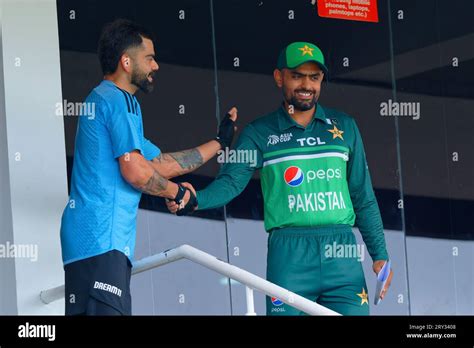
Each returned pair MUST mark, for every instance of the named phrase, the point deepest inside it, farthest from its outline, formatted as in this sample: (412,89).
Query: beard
(140,79)
(301,105)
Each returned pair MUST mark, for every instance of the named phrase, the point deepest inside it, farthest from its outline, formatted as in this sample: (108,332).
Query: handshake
(185,201)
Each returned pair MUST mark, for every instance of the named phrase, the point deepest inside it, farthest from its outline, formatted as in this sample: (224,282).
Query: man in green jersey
(316,185)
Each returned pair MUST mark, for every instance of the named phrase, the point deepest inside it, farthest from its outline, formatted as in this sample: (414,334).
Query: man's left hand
(227,128)
(377,266)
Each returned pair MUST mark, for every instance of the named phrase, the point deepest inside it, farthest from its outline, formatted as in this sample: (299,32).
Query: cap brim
(321,66)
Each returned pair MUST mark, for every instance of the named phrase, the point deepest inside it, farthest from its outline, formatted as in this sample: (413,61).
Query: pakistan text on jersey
(316,201)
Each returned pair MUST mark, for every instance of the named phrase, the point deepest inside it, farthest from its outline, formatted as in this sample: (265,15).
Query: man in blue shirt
(113,164)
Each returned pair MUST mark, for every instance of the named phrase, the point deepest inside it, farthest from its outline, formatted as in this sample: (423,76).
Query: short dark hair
(115,39)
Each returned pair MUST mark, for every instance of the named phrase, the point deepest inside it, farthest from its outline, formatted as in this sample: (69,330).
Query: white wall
(33,175)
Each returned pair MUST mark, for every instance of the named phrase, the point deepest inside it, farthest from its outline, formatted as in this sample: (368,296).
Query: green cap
(298,53)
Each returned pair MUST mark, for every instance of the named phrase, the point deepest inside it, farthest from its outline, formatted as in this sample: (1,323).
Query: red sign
(353,10)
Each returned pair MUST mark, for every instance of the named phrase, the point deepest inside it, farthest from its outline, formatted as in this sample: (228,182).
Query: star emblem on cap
(336,133)
(364,296)
(306,50)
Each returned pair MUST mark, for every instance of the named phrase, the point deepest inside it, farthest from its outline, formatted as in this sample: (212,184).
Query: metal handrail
(249,279)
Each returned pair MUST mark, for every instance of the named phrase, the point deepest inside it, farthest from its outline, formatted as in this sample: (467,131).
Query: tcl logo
(310,141)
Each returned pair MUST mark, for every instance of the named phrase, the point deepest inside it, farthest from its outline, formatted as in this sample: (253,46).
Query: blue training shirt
(102,209)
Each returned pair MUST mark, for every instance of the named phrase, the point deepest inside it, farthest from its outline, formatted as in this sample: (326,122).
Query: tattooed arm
(173,164)
(138,172)
(178,163)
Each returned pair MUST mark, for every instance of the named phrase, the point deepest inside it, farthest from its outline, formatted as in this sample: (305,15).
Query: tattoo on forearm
(155,185)
(188,160)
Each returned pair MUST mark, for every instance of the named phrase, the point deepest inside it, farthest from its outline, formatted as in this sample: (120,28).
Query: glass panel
(434,62)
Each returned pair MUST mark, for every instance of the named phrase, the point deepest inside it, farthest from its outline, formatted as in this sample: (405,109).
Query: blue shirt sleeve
(150,150)
(124,129)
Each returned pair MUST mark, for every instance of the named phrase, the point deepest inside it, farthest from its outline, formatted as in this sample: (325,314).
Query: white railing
(251,281)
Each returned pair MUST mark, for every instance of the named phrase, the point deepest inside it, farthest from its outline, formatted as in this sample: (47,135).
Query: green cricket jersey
(313,176)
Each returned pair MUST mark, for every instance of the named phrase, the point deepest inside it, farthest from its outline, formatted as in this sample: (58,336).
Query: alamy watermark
(405,109)
(28,330)
(27,251)
(343,251)
(237,156)
(67,108)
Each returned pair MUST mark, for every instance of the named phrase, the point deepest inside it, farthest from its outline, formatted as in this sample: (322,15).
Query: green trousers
(322,264)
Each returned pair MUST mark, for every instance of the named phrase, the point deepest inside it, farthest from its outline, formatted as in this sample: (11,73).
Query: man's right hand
(227,128)
(174,207)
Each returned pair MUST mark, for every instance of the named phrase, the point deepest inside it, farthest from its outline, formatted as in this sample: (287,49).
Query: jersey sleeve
(368,218)
(124,128)
(150,150)
(233,177)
